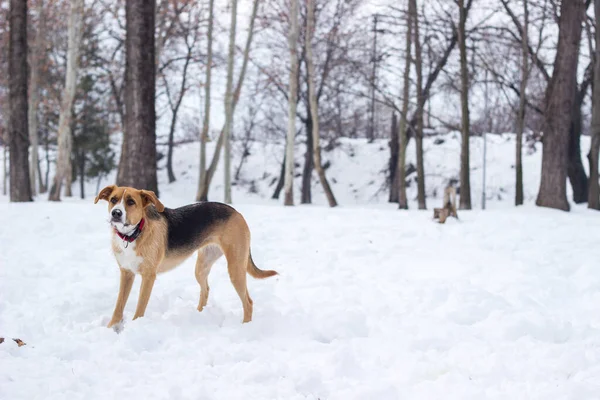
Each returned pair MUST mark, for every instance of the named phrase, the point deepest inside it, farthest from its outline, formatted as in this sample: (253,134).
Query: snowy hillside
(357,172)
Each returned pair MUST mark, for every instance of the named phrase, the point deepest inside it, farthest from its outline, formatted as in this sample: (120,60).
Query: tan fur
(230,238)
(449,206)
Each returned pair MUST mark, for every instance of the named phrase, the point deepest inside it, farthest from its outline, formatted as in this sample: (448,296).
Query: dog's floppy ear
(104,193)
(148,197)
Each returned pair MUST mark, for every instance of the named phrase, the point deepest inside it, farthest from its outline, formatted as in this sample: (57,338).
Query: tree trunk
(465,176)
(63,162)
(594,187)
(82,175)
(314,132)
(522,105)
(69,176)
(371,130)
(170,173)
(575,170)
(137,167)
(229,103)
(560,96)
(279,186)
(420,105)
(200,195)
(402,133)
(394,147)
(5,169)
(18,139)
(306,197)
(215,160)
(47,150)
(32,108)
(292,103)
(42,187)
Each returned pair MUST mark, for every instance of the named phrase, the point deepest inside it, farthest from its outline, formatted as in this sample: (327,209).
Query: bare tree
(293,93)
(137,167)
(63,161)
(560,96)
(229,102)
(32,108)
(20,188)
(420,105)
(210,172)
(594,189)
(190,37)
(522,103)
(402,133)
(575,170)
(310,26)
(5,172)
(207,86)
(465,180)
(393,163)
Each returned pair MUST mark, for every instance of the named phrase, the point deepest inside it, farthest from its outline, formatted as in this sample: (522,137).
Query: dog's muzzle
(116,215)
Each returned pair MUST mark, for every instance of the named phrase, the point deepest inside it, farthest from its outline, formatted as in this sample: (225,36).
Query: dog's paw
(117,326)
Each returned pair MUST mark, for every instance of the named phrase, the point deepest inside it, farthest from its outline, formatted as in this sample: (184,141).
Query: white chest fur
(126,255)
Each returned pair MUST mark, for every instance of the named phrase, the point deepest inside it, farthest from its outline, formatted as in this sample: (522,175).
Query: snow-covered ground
(371,302)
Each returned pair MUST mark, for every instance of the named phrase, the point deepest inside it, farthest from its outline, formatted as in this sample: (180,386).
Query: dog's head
(127,206)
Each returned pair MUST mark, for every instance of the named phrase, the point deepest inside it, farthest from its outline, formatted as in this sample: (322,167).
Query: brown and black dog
(148,238)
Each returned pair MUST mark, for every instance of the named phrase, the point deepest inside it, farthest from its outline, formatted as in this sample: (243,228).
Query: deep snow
(370,304)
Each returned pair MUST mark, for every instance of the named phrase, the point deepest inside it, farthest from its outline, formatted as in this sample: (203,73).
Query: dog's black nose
(117,213)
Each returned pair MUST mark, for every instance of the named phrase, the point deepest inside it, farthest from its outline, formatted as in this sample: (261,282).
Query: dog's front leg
(127,278)
(145,290)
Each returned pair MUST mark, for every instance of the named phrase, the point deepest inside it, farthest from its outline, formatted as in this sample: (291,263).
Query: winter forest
(441,158)
(80,103)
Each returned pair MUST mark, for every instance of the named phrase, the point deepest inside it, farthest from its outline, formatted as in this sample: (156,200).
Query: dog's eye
(113,200)
(130,202)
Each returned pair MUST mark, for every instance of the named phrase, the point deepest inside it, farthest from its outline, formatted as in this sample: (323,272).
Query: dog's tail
(256,272)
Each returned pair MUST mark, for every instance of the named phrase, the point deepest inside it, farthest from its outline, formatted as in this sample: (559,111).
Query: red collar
(134,235)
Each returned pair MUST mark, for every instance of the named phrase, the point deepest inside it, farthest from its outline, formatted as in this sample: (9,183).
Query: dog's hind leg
(237,260)
(207,256)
